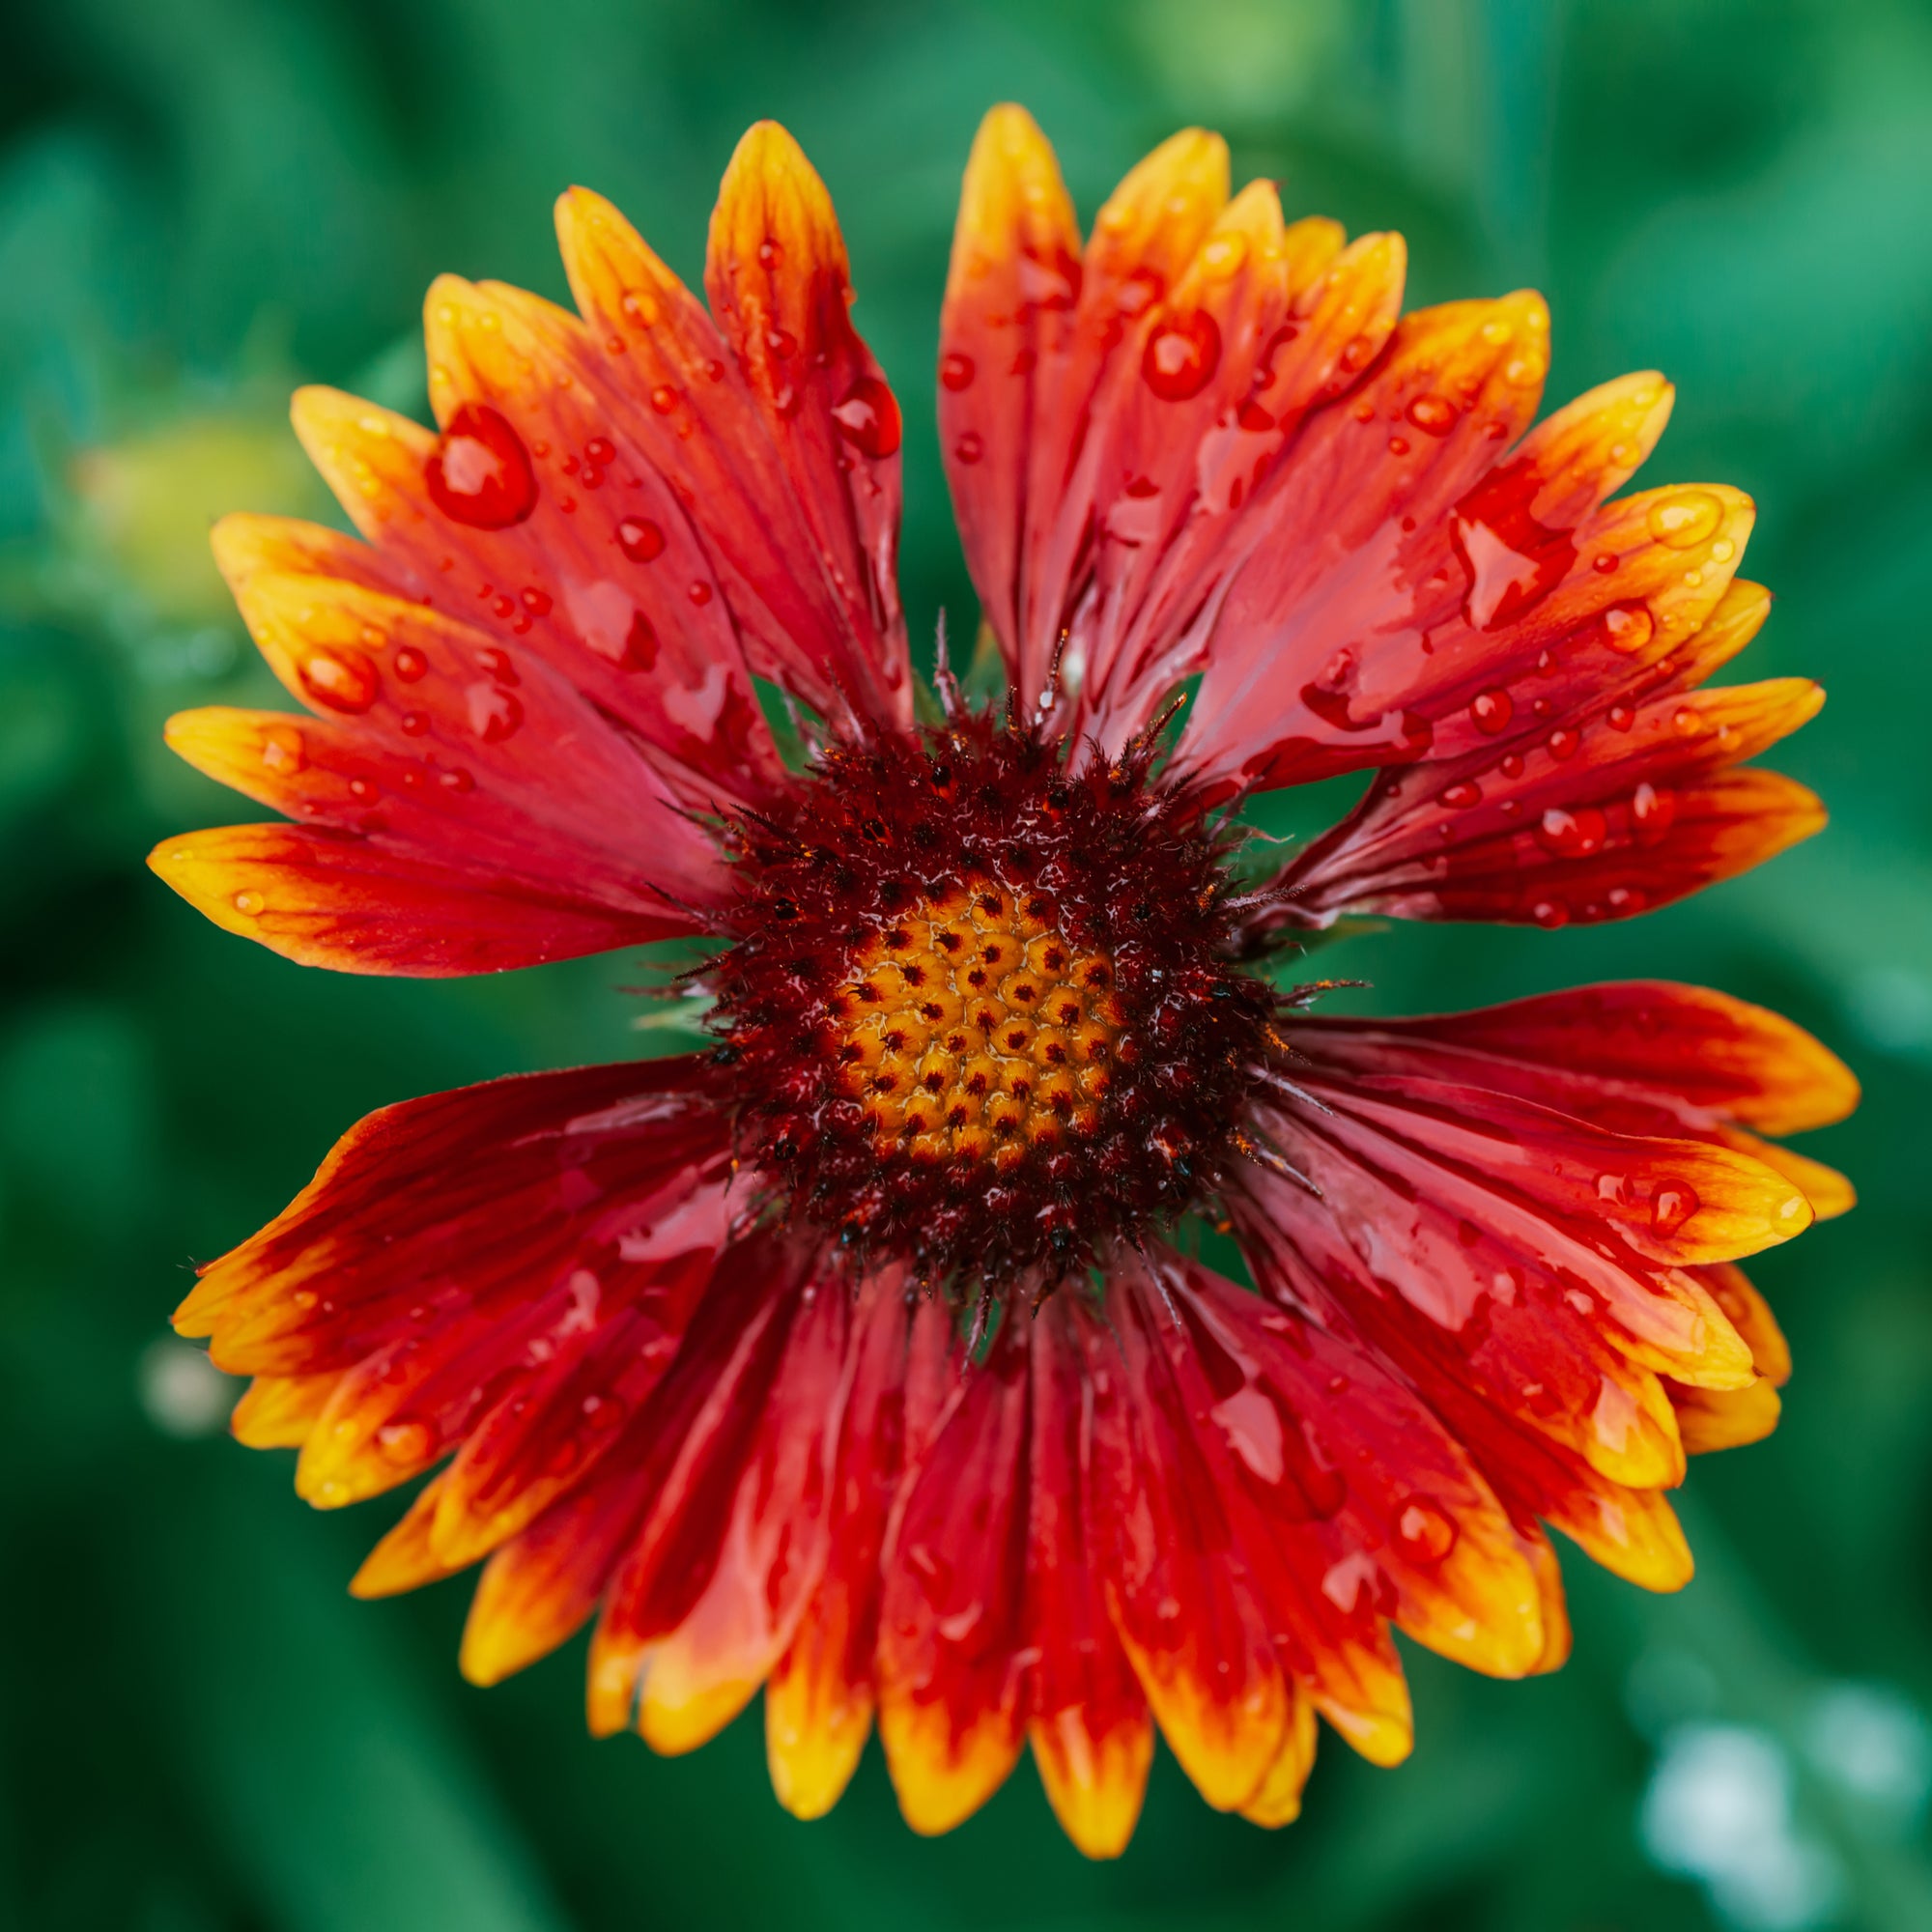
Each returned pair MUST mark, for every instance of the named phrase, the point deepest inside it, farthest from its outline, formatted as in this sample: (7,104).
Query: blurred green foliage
(204,201)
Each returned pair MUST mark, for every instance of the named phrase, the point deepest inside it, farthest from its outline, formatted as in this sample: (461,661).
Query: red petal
(705,434)
(818,1701)
(685,1455)
(1496,1416)
(1356,542)
(951,1679)
(1606,817)
(775,1542)
(1496,600)
(1181,1596)
(427,1207)
(1363,1496)
(595,582)
(1185,502)
(332,898)
(1650,1041)
(780,287)
(1038,344)
(1087,1720)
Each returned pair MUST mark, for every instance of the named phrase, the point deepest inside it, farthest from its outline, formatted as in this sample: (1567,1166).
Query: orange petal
(1179,1593)
(950,1683)
(404,1559)
(1089,1725)
(1278,1802)
(776,1545)
(780,288)
(818,1700)
(1751,1314)
(279,1412)
(1725,1418)
(330,898)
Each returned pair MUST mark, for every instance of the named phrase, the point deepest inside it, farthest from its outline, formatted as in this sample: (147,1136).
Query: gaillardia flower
(869,1355)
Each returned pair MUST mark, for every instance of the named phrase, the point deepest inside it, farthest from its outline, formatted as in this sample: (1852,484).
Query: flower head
(870,1357)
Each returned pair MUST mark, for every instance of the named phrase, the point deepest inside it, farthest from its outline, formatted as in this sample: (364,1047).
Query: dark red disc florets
(982,1012)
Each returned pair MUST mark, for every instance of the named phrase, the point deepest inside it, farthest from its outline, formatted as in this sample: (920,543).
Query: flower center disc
(972,1031)
(984,1012)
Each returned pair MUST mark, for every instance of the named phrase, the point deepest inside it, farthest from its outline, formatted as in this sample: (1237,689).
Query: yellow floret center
(970,1030)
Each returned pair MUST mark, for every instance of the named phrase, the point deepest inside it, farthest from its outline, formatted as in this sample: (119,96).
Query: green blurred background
(203,202)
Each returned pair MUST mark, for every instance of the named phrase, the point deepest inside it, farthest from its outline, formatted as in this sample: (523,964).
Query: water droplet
(456,779)
(1425,1533)
(1604,563)
(1653,810)
(1672,1205)
(1358,353)
(1627,627)
(1549,914)
(414,724)
(664,399)
(1181,356)
(868,418)
(770,253)
(1223,256)
(699,594)
(1573,835)
(970,447)
(1563,742)
(1398,445)
(1432,414)
(283,750)
(1620,717)
(781,342)
(537,602)
(1253,417)
(639,539)
(1460,796)
(1491,711)
(479,473)
(1689,720)
(1684,519)
(600,450)
(249,904)
(409,663)
(343,680)
(405,1443)
(493,712)
(955,370)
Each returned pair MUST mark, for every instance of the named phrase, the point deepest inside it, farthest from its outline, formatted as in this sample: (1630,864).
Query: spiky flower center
(984,1012)
(974,1031)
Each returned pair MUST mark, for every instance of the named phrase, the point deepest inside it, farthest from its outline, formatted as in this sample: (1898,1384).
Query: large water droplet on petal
(283,750)
(1425,1533)
(868,418)
(479,473)
(1684,519)
(343,680)
(1491,711)
(1627,627)
(1653,810)
(1181,356)
(1573,835)
(639,539)
(1672,1205)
